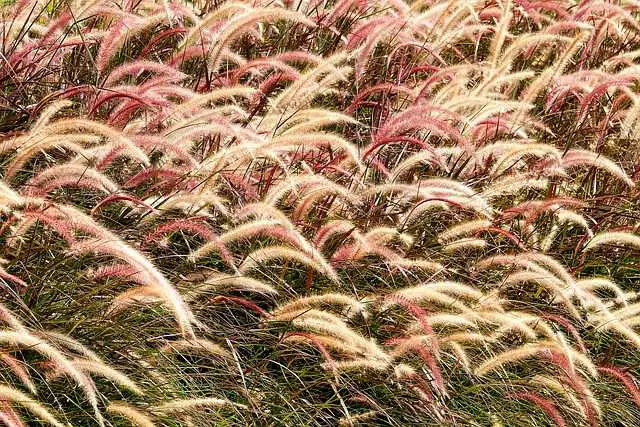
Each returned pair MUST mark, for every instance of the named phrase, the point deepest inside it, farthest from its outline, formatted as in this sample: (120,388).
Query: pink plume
(122,271)
(317,343)
(117,198)
(243,302)
(626,379)
(419,313)
(545,404)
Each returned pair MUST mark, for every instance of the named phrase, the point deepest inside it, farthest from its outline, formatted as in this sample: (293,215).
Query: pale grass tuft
(464,244)
(509,356)
(460,354)
(329,324)
(282,252)
(417,264)
(610,237)
(182,405)
(317,80)
(541,348)
(145,295)
(602,283)
(511,185)
(73,126)
(241,25)
(109,244)
(72,344)
(19,371)
(359,365)
(327,341)
(269,227)
(46,115)
(447,319)
(557,287)
(507,321)
(33,406)
(219,281)
(24,339)
(353,306)
(438,292)
(559,388)
(577,157)
(501,32)
(107,372)
(133,415)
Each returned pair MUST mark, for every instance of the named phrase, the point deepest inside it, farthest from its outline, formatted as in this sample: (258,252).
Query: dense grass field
(320,212)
